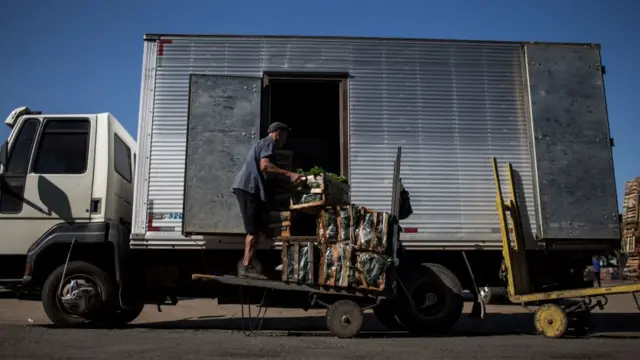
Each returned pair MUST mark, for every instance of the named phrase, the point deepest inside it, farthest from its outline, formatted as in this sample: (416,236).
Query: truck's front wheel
(81,296)
(432,301)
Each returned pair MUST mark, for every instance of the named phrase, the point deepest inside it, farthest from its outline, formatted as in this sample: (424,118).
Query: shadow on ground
(606,325)
(6,294)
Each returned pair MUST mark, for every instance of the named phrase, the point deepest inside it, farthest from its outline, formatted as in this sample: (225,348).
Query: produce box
(327,225)
(278,230)
(365,228)
(300,261)
(278,224)
(290,223)
(372,231)
(336,266)
(337,223)
(320,190)
(371,271)
(276,217)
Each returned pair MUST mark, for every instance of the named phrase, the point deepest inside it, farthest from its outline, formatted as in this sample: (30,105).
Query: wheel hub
(430,299)
(345,320)
(78,297)
(551,320)
(484,294)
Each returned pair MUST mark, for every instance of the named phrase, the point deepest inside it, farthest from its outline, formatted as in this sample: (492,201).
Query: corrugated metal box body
(450,105)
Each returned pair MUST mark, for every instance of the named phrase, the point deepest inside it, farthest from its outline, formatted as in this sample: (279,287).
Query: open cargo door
(223,124)
(576,187)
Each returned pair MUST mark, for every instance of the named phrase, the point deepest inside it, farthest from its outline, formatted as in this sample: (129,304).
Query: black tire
(336,319)
(446,310)
(55,310)
(385,314)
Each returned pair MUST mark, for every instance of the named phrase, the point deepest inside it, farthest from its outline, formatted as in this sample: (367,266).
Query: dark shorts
(253,211)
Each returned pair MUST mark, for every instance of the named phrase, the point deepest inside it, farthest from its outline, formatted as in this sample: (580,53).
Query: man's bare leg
(248,269)
(250,243)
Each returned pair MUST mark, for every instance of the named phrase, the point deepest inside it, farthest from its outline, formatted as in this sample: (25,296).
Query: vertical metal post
(395,204)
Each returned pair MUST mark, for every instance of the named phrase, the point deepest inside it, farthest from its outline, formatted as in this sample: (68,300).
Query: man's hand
(296,178)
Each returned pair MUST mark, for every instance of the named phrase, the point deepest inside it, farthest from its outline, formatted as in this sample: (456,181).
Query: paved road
(183,332)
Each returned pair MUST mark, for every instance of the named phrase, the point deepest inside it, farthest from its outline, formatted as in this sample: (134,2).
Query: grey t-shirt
(250,178)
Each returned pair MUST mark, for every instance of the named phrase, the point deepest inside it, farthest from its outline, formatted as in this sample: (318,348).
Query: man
(596,271)
(250,189)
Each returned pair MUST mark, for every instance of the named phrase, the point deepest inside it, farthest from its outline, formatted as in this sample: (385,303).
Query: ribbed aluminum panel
(141,180)
(450,105)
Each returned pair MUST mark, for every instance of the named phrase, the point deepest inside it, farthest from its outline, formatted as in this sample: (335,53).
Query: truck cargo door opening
(223,124)
(312,108)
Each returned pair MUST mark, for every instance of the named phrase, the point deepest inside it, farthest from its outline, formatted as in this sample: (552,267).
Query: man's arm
(266,166)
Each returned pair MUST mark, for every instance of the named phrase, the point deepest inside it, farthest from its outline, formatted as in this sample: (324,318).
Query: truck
(97,225)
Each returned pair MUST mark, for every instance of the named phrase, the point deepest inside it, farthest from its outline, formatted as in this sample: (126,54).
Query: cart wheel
(551,321)
(344,319)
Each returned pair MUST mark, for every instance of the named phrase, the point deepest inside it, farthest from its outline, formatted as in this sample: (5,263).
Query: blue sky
(74,56)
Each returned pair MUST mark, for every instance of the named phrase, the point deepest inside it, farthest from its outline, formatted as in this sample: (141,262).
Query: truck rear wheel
(86,292)
(432,302)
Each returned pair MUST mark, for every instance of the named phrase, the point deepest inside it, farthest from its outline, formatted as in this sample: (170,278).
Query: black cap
(277,126)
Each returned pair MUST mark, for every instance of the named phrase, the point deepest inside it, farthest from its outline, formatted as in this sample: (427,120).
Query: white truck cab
(64,179)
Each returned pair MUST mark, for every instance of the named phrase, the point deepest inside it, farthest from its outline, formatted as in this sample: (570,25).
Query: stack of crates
(630,228)
(352,244)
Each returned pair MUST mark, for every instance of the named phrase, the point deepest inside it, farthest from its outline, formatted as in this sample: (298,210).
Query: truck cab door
(47,180)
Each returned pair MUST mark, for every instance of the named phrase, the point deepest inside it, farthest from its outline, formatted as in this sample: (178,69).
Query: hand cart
(345,306)
(552,319)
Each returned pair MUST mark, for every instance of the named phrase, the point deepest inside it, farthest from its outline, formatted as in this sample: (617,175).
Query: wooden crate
(320,190)
(276,217)
(367,229)
(632,267)
(373,231)
(278,230)
(300,261)
(336,265)
(327,225)
(371,270)
(629,243)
